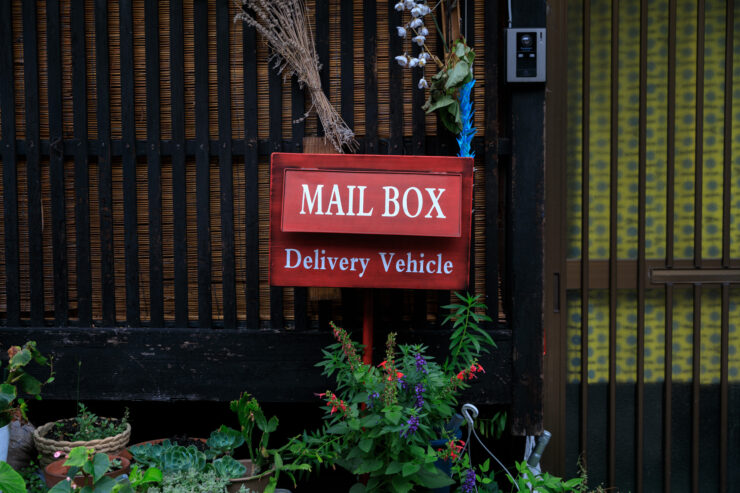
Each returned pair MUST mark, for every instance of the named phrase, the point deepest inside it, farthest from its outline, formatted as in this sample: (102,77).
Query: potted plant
(17,381)
(10,480)
(86,429)
(381,420)
(93,471)
(182,465)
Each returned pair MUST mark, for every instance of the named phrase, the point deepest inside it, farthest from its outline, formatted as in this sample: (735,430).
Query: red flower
(461,375)
(382,364)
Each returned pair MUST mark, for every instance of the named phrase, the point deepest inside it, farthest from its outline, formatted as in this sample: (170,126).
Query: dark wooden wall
(135,139)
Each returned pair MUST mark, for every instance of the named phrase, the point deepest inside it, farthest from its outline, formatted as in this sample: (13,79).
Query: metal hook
(467,410)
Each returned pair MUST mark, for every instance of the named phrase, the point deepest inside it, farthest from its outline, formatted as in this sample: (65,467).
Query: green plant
(93,466)
(228,467)
(252,418)
(192,482)
(87,425)
(224,441)
(10,480)
(32,478)
(16,381)
(527,480)
(446,84)
(178,459)
(382,419)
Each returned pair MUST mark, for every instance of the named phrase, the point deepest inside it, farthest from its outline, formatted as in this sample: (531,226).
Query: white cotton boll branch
(416,12)
(423,84)
(399,6)
(409,4)
(421,62)
(403,60)
(416,23)
(401,31)
(413,62)
(424,31)
(419,40)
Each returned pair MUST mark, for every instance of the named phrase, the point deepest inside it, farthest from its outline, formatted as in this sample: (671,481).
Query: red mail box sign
(362,202)
(370,221)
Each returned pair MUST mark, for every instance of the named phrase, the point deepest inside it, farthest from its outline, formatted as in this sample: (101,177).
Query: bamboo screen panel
(136,139)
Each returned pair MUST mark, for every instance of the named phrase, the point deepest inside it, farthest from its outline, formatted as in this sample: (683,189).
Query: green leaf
(29,384)
(460,49)
(7,394)
(357,488)
(434,478)
(410,468)
(21,358)
(104,485)
(10,480)
(439,103)
(393,468)
(100,465)
(393,416)
(370,421)
(401,485)
(366,444)
(369,465)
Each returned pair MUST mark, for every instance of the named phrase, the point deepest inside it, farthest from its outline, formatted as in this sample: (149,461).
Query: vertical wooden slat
(250,174)
(276,145)
(223,23)
(298,100)
(10,179)
(698,228)
(670,204)
(369,15)
(726,253)
(81,174)
(491,176)
(56,162)
(33,166)
(128,134)
(613,214)
(154,172)
(468,12)
(641,267)
(105,181)
(202,163)
(179,191)
(585,162)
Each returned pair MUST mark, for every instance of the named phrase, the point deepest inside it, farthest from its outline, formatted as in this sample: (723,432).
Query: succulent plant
(178,458)
(228,467)
(225,440)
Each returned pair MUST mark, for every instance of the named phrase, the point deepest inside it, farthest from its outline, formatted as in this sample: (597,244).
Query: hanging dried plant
(284,25)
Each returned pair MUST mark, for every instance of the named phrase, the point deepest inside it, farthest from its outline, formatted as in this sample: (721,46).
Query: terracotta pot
(57,471)
(255,484)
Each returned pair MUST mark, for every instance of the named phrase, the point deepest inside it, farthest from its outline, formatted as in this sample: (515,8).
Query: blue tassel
(465,137)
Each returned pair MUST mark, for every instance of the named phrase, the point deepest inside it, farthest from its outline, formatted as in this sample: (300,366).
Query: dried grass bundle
(284,25)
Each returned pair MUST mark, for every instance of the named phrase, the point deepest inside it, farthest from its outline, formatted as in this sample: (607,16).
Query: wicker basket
(47,447)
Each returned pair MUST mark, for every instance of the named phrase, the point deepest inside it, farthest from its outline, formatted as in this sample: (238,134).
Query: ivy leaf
(458,74)
(439,103)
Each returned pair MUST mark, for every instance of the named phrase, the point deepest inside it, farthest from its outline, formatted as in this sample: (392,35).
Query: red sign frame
(376,257)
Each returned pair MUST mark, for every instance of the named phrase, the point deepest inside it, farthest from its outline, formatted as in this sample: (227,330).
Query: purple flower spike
(419,389)
(469,485)
(413,425)
(421,363)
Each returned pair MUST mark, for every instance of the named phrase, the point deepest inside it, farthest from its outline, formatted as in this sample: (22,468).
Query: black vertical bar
(698,205)
(179,191)
(154,165)
(370,28)
(276,138)
(322,49)
(347,110)
(726,254)
(105,184)
(641,261)
(10,179)
(525,234)
(56,162)
(298,108)
(223,23)
(347,65)
(251,174)
(418,148)
(491,176)
(613,212)
(395,47)
(128,134)
(33,167)
(670,201)
(202,163)
(695,390)
(585,162)
(81,178)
